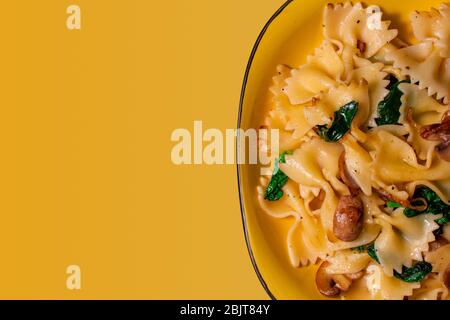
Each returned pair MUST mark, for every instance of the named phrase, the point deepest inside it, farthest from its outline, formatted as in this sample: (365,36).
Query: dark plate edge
(241,103)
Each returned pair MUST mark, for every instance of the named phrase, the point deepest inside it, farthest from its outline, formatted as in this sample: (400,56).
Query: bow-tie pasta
(363,174)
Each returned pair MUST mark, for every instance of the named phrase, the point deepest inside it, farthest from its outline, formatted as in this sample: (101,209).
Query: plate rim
(238,166)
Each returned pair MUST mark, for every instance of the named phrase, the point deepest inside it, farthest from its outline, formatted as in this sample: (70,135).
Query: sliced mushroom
(325,282)
(419,204)
(362,46)
(342,281)
(348,218)
(331,285)
(439,132)
(317,202)
(446,277)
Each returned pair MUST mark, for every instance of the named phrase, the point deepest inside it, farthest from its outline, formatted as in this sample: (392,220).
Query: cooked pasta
(364,173)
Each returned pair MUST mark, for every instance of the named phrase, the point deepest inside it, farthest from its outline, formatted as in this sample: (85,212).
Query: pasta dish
(363,171)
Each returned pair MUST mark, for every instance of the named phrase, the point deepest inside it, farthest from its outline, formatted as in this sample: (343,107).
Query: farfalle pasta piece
(315,164)
(424,65)
(403,239)
(331,101)
(375,76)
(278,82)
(309,239)
(347,262)
(384,287)
(431,289)
(427,62)
(349,24)
(433,24)
(365,84)
(395,161)
(425,149)
(282,112)
(358,164)
(426,110)
(288,207)
(418,109)
(440,260)
(319,74)
(292,121)
(277,120)
(305,241)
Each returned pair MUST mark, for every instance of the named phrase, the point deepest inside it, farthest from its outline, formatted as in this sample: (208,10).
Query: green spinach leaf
(434,204)
(360,249)
(393,204)
(372,252)
(341,124)
(278,180)
(441,222)
(416,273)
(389,107)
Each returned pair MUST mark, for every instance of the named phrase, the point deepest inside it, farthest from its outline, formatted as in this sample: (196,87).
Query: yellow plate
(292,33)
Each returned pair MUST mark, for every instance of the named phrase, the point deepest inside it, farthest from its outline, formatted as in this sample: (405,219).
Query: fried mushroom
(348,218)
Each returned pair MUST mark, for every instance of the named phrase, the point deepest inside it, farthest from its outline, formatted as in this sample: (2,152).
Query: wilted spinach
(434,204)
(278,180)
(372,252)
(389,107)
(416,273)
(360,249)
(341,124)
(393,204)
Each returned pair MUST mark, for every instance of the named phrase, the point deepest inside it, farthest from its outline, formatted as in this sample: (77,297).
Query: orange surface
(86,176)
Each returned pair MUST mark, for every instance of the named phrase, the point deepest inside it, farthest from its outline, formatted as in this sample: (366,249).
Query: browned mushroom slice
(317,202)
(331,285)
(437,132)
(325,283)
(348,218)
(362,46)
(418,204)
(342,281)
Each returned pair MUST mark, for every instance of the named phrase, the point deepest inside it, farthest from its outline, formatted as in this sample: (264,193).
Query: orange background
(86,176)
